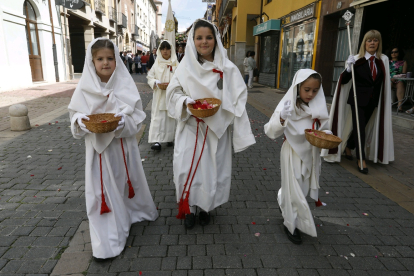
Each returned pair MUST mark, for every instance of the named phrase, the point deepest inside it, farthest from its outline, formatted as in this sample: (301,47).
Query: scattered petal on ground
(50,150)
(59,168)
(327,193)
(29,156)
(257,234)
(142,160)
(32,175)
(365,214)
(352,254)
(253,223)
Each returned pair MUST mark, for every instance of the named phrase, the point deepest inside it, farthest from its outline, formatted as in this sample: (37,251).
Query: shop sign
(299,15)
(270,25)
(71,4)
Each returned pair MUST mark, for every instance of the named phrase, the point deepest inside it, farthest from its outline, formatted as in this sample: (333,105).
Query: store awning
(363,3)
(270,25)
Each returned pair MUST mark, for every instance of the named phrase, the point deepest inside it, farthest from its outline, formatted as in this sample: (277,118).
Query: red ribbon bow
(170,66)
(220,72)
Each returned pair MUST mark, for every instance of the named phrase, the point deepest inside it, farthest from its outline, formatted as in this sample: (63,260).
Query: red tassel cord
(183,205)
(131,192)
(104,207)
(218,71)
(316,121)
(170,66)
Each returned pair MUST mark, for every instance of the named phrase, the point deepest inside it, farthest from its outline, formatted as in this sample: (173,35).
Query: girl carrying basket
(202,153)
(302,107)
(116,190)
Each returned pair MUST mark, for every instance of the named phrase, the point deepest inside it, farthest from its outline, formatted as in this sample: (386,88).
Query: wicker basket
(102,123)
(321,139)
(163,86)
(204,113)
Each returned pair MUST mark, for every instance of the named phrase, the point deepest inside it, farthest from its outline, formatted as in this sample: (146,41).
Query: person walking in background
(144,61)
(116,190)
(373,93)
(152,59)
(130,62)
(251,65)
(246,68)
(206,72)
(302,107)
(137,61)
(162,128)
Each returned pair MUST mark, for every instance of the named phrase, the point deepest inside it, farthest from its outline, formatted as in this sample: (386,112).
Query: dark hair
(299,101)
(401,53)
(102,43)
(248,54)
(252,53)
(202,23)
(164,45)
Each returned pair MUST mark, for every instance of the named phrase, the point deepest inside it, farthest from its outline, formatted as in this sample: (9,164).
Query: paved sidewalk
(360,231)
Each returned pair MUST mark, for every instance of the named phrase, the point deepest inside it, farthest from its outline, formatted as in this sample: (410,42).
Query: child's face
(204,42)
(104,61)
(166,54)
(309,89)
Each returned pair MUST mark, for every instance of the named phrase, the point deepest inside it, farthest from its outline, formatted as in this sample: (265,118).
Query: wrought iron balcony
(122,20)
(112,13)
(100,6)
(226,6)
(134,29)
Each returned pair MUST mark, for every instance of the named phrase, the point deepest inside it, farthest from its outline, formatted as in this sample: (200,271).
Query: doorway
(32,37)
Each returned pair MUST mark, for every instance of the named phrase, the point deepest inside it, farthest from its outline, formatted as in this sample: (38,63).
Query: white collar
(368,55)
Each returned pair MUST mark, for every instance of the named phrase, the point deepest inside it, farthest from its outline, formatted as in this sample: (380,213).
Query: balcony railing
(225,8)
(134,29)
(112,13)
(100,6)
(122,20)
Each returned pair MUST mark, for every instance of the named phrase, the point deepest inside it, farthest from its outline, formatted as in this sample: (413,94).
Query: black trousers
(364,114)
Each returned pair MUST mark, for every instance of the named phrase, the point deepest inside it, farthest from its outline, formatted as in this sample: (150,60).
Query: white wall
(15,69)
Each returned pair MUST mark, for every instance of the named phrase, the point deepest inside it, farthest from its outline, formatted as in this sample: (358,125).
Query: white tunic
(162,128)
(104,156)
(299,161)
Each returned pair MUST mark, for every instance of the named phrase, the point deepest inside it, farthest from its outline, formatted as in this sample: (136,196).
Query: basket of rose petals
(206,107)
(163,86)
(322,140)
(102,123)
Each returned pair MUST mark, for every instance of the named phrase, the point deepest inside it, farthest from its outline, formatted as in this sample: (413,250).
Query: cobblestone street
(360,232)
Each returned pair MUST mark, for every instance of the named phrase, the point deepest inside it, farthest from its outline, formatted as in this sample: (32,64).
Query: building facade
(146,21)
(26,44)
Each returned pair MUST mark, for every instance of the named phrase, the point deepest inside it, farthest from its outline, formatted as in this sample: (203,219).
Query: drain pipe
(54,45)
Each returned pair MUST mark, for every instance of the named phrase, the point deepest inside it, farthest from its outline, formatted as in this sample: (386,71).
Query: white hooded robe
(162,128)
(299,161)
(212,181)
(110,231)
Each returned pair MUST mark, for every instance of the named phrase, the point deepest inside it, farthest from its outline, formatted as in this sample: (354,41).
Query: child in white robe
(302,107)
(162,128)
(116,190)
(202,154)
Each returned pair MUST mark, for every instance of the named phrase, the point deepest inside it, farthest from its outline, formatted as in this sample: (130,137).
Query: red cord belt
(131,193)
(183,206)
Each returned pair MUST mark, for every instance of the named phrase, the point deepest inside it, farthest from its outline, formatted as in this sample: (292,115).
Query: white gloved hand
(349,62)
(189,101)
(156,83)
(81,124)
(327,131)
(121,123)
(286,111)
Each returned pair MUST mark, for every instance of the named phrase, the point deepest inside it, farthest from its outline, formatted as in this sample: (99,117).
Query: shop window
(269,53)
(297,51)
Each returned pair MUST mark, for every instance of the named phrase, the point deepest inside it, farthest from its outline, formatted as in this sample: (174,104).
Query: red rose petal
(36,125)
(58,127)
(264,169)
(59,168)
(49,124)
(347,224)
(56,122)
(32,175)
(253,223)
(140,273)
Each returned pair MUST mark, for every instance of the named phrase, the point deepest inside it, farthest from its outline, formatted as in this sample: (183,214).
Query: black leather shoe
(189,221)
(156,146)
(364,170)
(295,238)
(204,218)
(170,144)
